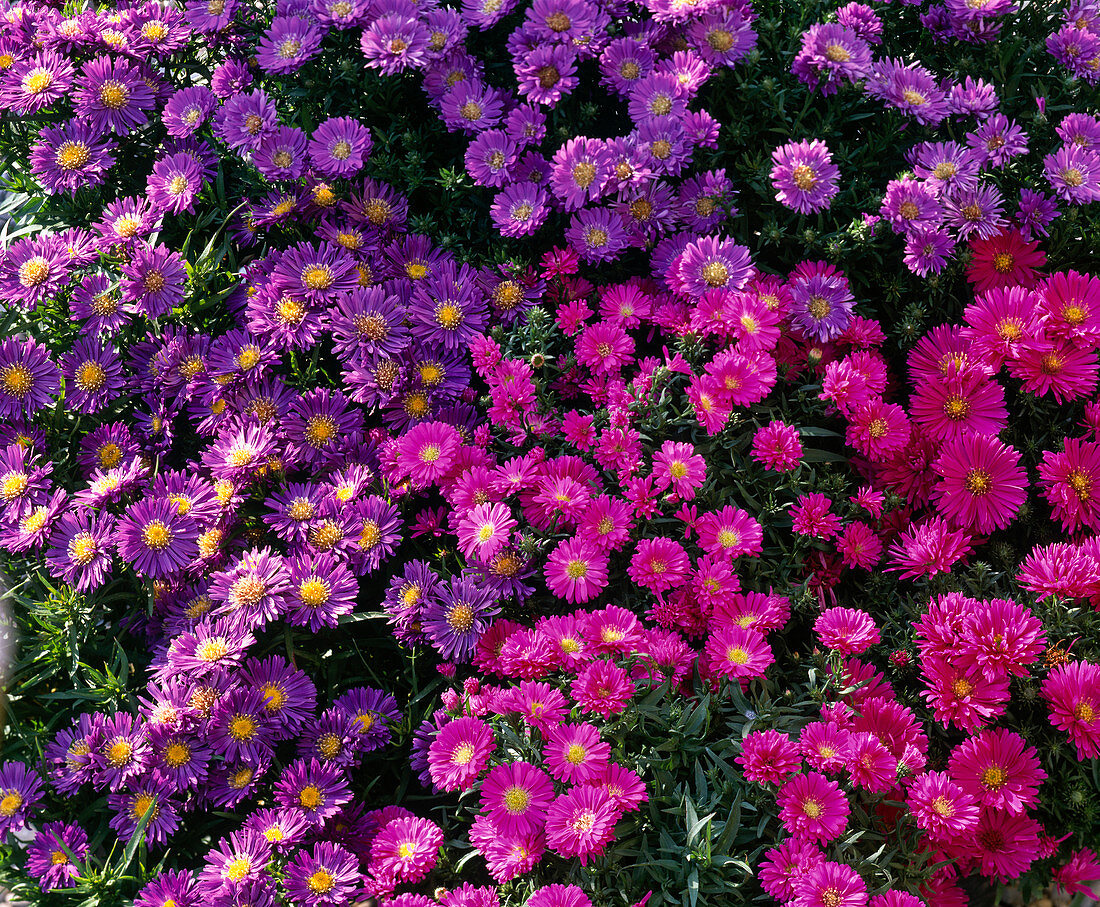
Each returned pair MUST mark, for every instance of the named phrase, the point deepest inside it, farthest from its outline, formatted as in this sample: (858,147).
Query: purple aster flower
(909,204)
(379,534)
(321,590)
(339,14)
(188,109)
(209,17)
(235,862)
(665,145)
(491,157)
(705,199)
(33,84)
(448,307)
(69,754)
(329,739)
(328,874)
(33,526)
(368,321)
(153,280)
(156,539)
(231,783)
(252,587)
(33,270)
(20,790)
(281,153)
(93,374)
(910,88)
(972,97)
(625,61)
(238,729)
(120,751)
(1037,212)
(126,221)
(24,480)
(658,96)
(1076,49)
(821,301)
(287,44)
(246,118)
(112,94)
(804,176)
(997,140)
(320,425)
(456,617)
(289,695)
(339,147)
(372,712)
(174,183)
(1080,129)
(71,156)
(1073,173)
(597,234)
(28,377)
(48,858)
(293,510)
(482,14)
(171,886)
(947,166)
(928,249)
(212,646)
(394,43)
(525,125)
(147,799)
(178,757)
(520,209)
(317,789)
(976,212)
(317,273)
(547,74)
(862,20)
(471,107)
(722,37)
(283,829)
(830,56)
(81,548)
(709,263)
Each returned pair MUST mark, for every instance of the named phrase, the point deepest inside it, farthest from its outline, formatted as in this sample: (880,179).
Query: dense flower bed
(552,454)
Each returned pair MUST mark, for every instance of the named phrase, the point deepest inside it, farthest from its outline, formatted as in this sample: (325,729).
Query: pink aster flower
(483,531)
(515,796)
(813,808)
(968,697)
(999,769)
(859,546)
(769,757)
(941,807)
(659,564)
(729,533)
(426,452)
(804,176)
(830,885)
(1071,483)
(1003,846)
(982,484)
(1073,693)
(576,570)
(460,752)
(605,348)
(930,548)
(847,630)
(811,516)
(575,753)
(737,652)
(602,688)
(679,465)
(581,822)
(777,446)
(1081,867)
(406,850)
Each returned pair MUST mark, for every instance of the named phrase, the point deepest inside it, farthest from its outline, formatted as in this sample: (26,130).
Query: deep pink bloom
(847,630)
(678,464)
(576,570)
(515,796)
(830,885)
(737,652)
(659,564)
(581,822)
(813,808)
(982,484)
(769,757)
(999,769)
(1073,693)
(811,516)
(460,752)
(575,753)
(777,446)
(941,807)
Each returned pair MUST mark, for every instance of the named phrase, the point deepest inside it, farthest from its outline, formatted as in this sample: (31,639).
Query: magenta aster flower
(426,451)
(982,484)
(574,753)
(711,262)
(813,808)
(576,570)
(406,849)
(804,176)
(737,652)
(999,769)
(678,465)
(847,630)
(1073,693)
(777,445)
(515,796)
(769,757)
(827,884)
(460,752)
(581,822)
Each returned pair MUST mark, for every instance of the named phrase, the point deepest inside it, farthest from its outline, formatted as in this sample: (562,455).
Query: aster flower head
(110,93)
(708,263)
(515,796)
(822,301)
(941,807)
(287,44)
(70,156)
(405,850)
(737,652)
(1073,173)
(576,570)
(813,808)
(1072,692)
(575,753)
(804,176)
(20,791)
(982,484)
(318,789)
(457,616)
(830,56)
(326,874)
(394,43)
(828,884)
(847,630)
(581,822)
(156,539)
(48,855)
